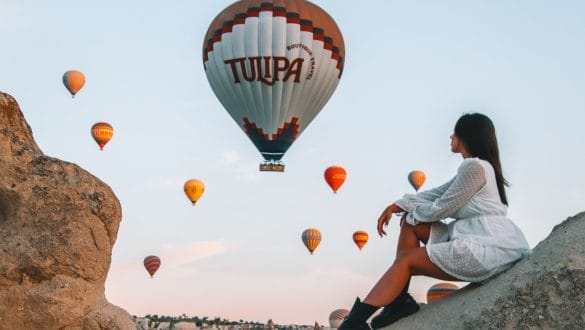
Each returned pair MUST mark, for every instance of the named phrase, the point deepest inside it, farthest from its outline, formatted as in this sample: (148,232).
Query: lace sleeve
(409,201)
(469,180)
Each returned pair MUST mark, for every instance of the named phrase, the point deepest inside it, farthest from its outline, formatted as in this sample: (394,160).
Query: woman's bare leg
(413,261)
(410,238)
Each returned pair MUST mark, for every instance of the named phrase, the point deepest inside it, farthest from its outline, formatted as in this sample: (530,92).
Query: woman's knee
(421,231)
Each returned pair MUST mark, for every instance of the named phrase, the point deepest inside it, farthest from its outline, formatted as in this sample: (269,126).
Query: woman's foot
(357,316)
(401,307)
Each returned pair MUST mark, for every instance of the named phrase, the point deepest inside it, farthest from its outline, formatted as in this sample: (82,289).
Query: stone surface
(543,291)
(58,224)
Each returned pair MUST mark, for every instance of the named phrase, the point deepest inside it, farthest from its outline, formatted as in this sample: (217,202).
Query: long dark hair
(478,134)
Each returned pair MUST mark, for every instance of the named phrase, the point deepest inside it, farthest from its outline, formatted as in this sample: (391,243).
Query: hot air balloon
(335,177)
(336,317)
(440,290)
(102,133)
(416,179)
(151,263)
(311,238)
(194,189)
(360,238)
(273,66)
(73,81)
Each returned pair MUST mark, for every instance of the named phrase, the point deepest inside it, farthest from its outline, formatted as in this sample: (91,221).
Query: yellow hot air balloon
(360,238)
(102,133)
(416,179)
(194,189)
(311,238)
(73,81)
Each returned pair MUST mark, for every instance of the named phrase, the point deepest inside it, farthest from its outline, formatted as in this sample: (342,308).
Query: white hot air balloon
(273,66)
(336,317)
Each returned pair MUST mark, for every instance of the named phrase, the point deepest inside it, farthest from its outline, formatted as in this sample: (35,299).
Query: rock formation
(543,291)
(58,224)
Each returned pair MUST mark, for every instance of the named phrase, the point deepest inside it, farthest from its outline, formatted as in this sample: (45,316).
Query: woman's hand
(385,218)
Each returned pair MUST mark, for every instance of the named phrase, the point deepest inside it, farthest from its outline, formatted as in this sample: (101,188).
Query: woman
(478,244)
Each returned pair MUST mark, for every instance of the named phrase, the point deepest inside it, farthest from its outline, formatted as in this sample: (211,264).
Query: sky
(412,69)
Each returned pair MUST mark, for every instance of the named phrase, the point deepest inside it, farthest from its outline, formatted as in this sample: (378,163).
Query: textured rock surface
(543,291)
(58,224)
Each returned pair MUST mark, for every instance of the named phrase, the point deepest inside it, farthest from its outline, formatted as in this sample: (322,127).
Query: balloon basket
(271,167)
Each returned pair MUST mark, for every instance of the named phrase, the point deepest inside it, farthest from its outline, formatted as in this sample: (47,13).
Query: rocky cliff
(58,224)
(543,291)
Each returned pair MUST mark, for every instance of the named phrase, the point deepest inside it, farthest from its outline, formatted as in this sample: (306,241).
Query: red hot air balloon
(335,177)
(273,65)
(360,238)
(440,290)
(151,263)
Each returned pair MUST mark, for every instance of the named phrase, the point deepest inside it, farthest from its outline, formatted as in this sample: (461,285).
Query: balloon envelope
(194,188)
(102,133)
(336,317)
(440,290)
(311,238)
(360,238)
(335,177)
(151,263)
(273,66)
(73,81)
(416,179)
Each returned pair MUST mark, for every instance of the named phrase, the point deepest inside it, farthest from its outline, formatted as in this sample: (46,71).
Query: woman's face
(455,144)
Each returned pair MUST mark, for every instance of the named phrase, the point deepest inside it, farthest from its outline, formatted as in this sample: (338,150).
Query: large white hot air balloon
(273,65)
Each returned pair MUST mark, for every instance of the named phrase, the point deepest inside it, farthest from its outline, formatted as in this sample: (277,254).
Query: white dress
(481,241)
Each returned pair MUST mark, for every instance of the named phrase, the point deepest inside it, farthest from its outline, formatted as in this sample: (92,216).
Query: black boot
(401,307)
(357,317)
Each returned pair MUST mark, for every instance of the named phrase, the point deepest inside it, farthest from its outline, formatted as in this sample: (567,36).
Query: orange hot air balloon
(102,133)
(73,81)
(151,263)
(335,177)
(416,179)
(194,189)
(311,238)
(360,238)
(440,290)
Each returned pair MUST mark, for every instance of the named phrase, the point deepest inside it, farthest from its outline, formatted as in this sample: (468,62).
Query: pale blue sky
(412,68)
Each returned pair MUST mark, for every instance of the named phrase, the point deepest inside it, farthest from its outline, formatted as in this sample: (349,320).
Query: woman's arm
(408,201)
(469,180)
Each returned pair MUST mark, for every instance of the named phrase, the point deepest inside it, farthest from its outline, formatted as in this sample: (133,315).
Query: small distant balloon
(336,317)
(73,81)
(311,238)
(102,133)
(335,177)
(416,179)
(151,263)
(440,290)
(360,238)
(194,188)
